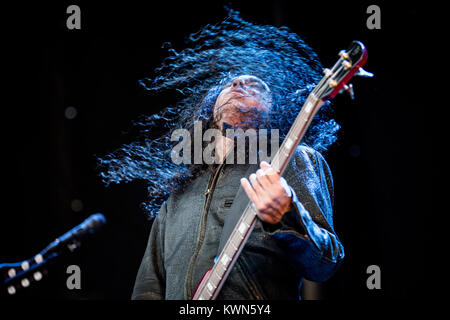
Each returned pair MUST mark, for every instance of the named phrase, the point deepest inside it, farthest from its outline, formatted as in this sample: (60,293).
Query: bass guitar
(333,82)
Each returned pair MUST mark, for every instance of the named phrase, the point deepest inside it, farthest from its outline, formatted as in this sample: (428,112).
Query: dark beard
(252,118)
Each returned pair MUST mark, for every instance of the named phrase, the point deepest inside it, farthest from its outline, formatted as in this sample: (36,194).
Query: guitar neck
(210,286)
(296,133)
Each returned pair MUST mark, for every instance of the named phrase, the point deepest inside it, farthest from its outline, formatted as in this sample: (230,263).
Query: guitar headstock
(15,276)
(336,78)
(19,275)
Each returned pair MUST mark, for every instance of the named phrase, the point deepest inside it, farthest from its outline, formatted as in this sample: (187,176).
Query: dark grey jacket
(185,236)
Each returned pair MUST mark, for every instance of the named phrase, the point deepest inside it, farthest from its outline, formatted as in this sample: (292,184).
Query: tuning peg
(11,290)
(37,275)
(25,265)
(363,73)
(25,282)
(349,89)
(11,273)
(344,55)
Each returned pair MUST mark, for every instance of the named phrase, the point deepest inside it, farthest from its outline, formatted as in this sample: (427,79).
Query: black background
(48,160)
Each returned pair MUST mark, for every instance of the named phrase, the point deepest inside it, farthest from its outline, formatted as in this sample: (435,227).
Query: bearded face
(244,102)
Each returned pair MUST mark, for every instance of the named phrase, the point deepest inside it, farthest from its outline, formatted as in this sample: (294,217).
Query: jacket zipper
(208,196)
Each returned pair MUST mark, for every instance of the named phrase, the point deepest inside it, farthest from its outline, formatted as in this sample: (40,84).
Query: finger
(272,175)
(263,195)
(254,199)
(286,187)
(256,184)
(263,179)
(249,191)
(264,165)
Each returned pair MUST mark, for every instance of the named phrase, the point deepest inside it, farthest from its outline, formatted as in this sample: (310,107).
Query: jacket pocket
(224,207)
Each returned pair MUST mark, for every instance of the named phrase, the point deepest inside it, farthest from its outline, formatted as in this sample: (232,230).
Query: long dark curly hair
(212,57)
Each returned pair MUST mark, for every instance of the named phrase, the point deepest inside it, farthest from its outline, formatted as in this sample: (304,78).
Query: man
(292,239)
(233,74)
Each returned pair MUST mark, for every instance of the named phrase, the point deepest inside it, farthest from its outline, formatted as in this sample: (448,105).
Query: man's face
(244,100)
